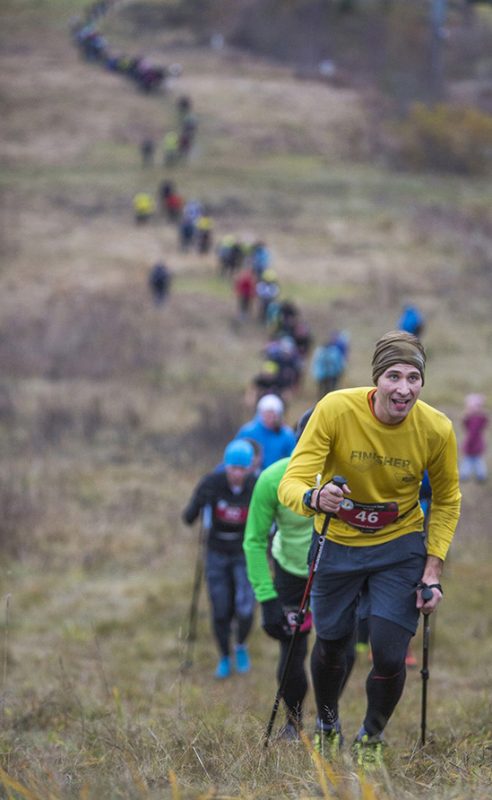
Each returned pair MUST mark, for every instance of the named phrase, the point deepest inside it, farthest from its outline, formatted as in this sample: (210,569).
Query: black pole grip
(338,480)
(426,593)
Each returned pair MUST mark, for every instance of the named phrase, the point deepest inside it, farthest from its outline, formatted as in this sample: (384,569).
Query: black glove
(274,621)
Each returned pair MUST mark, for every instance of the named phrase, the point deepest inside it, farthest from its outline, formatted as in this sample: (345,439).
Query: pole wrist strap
(430,586)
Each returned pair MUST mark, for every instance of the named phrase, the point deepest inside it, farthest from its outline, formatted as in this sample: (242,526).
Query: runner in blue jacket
(276,439)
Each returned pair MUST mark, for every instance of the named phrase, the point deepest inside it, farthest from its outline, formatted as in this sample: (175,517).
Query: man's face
(398,389)
(236,476)
(271,419)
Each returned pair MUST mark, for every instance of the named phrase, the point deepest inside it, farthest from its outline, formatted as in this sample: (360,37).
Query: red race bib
(367,517)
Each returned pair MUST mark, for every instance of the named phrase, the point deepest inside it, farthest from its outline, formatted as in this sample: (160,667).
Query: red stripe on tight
(384,677)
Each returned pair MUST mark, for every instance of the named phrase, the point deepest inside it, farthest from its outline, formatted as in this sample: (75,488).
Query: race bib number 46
(368,517)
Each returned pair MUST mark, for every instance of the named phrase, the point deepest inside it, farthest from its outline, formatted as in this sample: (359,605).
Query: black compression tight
(385,682)
(244,625)
(296,685)
(330,668)
(331,664)
(222,630)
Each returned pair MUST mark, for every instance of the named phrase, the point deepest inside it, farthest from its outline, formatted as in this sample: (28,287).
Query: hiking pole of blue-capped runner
(197,584)
(301,613)
(426,595)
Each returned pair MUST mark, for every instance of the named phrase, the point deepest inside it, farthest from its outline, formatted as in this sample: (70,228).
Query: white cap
(270,402)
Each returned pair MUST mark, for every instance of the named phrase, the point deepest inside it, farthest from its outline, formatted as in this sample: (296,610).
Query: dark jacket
(229,511)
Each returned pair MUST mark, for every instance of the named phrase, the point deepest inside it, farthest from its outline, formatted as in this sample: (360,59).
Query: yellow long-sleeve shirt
(381,463)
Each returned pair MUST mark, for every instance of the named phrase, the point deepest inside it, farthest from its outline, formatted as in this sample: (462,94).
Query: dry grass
(110,410)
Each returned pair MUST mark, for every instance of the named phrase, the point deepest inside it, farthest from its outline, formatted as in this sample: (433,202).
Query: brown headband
(397,347)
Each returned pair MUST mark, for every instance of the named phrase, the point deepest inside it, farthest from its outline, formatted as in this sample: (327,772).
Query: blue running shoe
(243,663)
(223,669)
(289,732)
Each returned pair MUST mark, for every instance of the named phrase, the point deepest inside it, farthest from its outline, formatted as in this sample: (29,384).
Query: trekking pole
(426,595)
(195,597)
(301,613)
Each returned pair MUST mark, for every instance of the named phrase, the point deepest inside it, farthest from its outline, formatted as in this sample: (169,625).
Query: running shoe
(288,733)
(327,743)
(368,752)
(243,663)
(223,669)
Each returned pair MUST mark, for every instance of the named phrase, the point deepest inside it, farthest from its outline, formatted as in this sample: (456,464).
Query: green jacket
(291,541)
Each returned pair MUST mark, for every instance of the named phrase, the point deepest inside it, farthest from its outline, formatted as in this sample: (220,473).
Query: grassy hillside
(111,409)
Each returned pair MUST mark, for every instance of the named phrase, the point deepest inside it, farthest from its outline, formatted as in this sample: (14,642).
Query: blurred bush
(446,139)
(200,446)
(19,512)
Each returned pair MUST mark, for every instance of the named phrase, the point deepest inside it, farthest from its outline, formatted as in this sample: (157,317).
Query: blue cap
(239,453)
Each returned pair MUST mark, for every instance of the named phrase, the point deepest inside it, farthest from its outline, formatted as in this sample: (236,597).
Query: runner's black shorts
(385,575)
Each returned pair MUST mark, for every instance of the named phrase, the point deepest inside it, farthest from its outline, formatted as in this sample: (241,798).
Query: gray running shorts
(382,578)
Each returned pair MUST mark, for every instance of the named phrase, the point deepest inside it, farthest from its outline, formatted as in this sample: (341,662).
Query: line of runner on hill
(178,142)
(256,284)
(247,264)
(148,76)
(93,45)
(193,222)
(290,340)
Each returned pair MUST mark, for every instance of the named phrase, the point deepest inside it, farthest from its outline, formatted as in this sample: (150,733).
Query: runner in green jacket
(280,590)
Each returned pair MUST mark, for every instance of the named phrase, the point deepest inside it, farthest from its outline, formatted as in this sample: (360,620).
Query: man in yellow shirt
(381,440)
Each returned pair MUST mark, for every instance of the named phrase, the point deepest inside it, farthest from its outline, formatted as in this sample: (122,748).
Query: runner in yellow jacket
(143,207)
(381,440)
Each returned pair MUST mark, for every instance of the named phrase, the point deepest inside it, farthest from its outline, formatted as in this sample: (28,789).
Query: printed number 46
(364,516)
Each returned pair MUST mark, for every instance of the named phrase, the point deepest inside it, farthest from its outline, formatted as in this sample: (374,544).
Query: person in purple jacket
(474,421)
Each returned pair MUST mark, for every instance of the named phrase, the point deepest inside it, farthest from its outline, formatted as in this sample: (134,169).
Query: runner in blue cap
(226,494)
